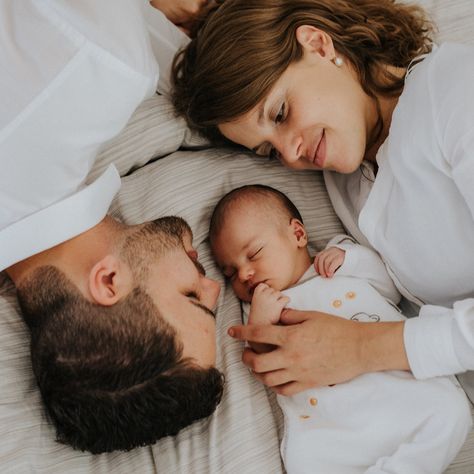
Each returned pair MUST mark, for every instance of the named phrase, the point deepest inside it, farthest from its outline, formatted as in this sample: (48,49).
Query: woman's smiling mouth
(320,154)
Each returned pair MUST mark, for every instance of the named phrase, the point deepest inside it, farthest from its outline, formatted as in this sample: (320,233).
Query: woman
(356,89)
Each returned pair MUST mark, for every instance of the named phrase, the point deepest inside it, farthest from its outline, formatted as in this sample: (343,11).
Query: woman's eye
(280,116)
(274,154)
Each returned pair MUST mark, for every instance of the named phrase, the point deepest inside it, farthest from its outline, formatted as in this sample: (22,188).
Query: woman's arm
(318,349)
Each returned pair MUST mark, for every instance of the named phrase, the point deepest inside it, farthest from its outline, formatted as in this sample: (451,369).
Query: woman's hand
(181,12)
(318,349)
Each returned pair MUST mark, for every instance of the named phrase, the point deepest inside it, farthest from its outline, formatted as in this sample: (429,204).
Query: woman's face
(317,115)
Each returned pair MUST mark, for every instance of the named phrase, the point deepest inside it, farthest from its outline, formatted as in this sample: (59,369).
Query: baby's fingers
(283,300)
(322,264)
(333,265)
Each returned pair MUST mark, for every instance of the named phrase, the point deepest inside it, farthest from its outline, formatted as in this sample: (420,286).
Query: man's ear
(299,232)
(314,40)
(109,281)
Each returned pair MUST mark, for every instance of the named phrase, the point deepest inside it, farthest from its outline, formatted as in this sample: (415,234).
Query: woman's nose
(290,147)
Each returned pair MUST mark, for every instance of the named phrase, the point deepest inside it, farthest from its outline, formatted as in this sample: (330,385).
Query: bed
(167,170)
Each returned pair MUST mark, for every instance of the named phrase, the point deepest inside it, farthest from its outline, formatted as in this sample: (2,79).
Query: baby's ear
(109,281)
(299,232)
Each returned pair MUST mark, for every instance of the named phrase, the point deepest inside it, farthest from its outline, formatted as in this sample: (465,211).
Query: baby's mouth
(252,286)
(251,289)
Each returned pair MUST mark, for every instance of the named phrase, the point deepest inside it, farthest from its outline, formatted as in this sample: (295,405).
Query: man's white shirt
(73,72)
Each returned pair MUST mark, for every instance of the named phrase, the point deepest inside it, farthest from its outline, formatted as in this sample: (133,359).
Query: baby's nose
(246,273)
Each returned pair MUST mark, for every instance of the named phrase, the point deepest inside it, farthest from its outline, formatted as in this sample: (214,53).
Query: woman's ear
(299,232)
(314,40)
(109,281)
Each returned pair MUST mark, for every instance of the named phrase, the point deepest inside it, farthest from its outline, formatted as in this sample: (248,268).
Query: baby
(385,422)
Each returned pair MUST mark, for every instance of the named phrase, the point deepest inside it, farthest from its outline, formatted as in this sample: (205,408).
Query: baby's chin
(244,295)
(247,298)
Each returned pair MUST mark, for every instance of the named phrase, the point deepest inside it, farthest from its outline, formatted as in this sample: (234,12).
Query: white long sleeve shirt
(418,212)
(73,72)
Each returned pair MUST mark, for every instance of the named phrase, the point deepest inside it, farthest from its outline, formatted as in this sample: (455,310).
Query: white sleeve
(454,120)
(362,262)
(458,147)
(441,341)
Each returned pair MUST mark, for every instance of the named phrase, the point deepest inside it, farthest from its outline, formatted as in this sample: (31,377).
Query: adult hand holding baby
(318,349)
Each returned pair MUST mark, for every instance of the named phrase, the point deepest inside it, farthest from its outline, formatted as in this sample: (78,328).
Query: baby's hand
(267,305)
(328,261)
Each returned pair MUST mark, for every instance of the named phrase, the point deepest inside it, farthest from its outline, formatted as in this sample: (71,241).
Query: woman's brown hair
(245,45)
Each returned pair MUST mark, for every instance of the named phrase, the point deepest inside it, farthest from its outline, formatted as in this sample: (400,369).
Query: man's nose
(210,292)
(290,147)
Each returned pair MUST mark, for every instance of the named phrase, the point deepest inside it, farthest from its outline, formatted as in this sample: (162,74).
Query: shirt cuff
(351,260)
(429,344)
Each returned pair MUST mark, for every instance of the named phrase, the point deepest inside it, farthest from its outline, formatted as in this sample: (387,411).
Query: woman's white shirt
(419,213)
(73,72)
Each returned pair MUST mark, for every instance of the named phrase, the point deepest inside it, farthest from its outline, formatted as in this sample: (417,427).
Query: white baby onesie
(384,422)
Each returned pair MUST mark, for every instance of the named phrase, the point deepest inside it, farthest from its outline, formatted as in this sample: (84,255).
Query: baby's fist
(328,261)
(267,305)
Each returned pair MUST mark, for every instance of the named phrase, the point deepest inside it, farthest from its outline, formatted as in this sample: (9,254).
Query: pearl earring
(338,61)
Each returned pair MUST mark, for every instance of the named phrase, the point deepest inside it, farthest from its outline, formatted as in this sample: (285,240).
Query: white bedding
(243,435)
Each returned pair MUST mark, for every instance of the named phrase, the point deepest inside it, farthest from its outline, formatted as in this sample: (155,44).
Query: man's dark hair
(111,377)
(266,196)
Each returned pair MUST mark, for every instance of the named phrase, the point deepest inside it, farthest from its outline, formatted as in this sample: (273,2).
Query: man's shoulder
(117,29)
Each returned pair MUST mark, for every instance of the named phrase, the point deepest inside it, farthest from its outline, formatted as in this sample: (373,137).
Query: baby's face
(252,248)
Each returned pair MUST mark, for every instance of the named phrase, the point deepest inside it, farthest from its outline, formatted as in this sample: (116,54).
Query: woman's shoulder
(441,84)
(452,58)
(438,95)
(448,64)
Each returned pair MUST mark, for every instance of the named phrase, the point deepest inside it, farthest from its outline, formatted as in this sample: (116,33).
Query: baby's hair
(266,197)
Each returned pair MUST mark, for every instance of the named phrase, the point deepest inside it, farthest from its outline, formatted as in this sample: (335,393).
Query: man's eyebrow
(204,308)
